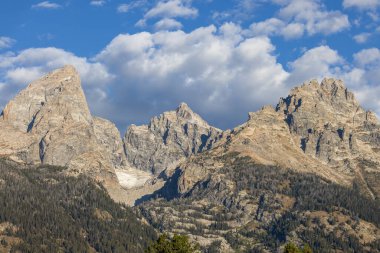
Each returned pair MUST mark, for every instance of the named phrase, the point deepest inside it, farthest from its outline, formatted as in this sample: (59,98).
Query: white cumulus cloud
(123,8)
(126,7)
(368,57)
(362,37)
(275,26)
(168,10)
(221,72)
(98,2)
(297,17)
(167,24)
(172,9)
(46,5)
(6,42)
(361,4)
(216,71)
(316,63)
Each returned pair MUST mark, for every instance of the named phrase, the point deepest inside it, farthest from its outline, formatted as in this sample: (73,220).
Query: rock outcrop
(329,124)
(49,122)
(108,136)
(168,139)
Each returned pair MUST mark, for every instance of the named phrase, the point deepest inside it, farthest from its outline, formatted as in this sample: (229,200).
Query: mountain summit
(49,122)
(168,139)
(329,124)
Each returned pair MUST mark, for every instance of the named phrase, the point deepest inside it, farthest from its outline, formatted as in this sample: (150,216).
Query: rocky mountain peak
(184,107)
(182,115)
(167,139)
(333,84)
(330,89)
(58,97)
(184,111)
(49,122)
(314,105)
(330,125)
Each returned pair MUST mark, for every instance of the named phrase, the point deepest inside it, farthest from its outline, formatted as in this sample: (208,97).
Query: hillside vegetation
(255,208)
(42,210)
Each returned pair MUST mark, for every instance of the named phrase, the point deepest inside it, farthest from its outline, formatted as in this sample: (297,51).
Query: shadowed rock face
(329,124)
(318,128)
(49,123)
(326,117)
(108,136)
(168,139)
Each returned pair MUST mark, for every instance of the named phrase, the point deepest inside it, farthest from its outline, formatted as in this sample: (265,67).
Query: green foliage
(292,248)
(176,244)
(56,213)
(307,249)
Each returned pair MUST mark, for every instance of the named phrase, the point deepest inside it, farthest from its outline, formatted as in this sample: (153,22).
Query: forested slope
(41,210)
(248,207)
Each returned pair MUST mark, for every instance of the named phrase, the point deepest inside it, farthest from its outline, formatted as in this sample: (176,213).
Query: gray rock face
(168,139)
(108,136)
(49,123)
(330,125)
(54,110)
(325,116)
(329,121)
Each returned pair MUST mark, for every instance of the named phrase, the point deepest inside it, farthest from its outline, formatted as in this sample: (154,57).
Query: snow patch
(132,178)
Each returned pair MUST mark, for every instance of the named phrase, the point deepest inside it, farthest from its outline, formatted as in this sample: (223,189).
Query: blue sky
(222,57)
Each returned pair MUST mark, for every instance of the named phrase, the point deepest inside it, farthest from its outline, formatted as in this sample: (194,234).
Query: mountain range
(306,170)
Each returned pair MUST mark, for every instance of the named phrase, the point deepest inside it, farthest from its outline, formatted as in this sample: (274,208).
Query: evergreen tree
(176,244)
(292,248)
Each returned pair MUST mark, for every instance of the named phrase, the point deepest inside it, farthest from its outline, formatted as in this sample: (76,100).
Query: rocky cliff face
(326,118)
(168,139)
(108,137)
(49,123)
(329,124)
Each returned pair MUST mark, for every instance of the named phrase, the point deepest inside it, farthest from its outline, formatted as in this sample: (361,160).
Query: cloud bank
(298,17)
(221,72)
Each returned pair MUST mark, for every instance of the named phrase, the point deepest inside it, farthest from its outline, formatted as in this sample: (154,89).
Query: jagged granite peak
(329,124)
(49,122)
(168,139)
(330,101)
(55,111)
(58,94)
